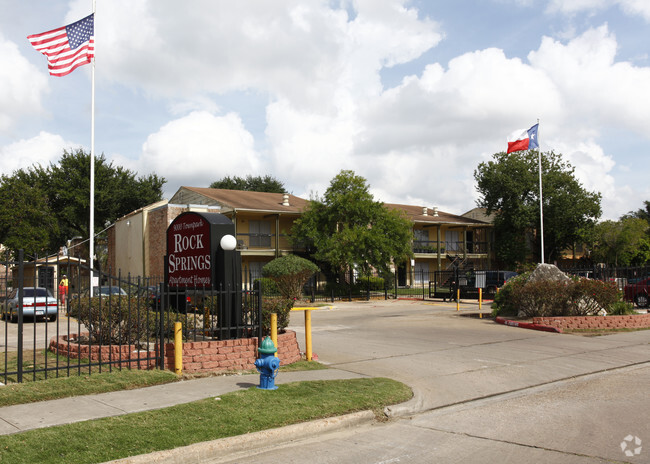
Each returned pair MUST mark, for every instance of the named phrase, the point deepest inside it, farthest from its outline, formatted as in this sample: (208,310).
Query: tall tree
(59,198)
(26,219)
(250,183)
(509,187)
(349,229)
(622,243)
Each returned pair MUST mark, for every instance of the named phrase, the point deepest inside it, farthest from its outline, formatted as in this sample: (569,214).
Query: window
(260,233)
(451,240)
(421,272)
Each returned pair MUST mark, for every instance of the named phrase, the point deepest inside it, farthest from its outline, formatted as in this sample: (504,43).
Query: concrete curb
(527,325)
(226,448)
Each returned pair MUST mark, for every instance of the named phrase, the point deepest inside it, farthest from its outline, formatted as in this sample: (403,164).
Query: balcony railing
(450,248)
(264,242)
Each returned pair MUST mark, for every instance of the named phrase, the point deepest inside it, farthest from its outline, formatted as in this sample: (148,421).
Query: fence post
(260,329)
(161,324)
(20,314)
(422,280)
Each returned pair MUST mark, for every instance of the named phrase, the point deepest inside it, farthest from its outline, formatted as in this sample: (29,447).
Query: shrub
(280,306)
(544,298)
(503,304)
(621,308)
(119,320)
(290,273)
(588,297)
(269,287)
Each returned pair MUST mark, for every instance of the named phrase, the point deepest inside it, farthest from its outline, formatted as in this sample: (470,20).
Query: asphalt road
(483,392)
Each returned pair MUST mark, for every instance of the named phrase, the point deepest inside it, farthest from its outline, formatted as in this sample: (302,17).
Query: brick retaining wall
(205,356)
(595,322)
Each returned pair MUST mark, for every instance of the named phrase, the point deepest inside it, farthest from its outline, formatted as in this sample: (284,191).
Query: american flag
(67,47)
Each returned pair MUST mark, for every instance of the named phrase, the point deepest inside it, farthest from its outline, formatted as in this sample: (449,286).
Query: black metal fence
(126,323)
(422,284)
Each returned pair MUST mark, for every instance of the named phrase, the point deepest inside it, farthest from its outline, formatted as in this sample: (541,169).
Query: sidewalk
(22,417)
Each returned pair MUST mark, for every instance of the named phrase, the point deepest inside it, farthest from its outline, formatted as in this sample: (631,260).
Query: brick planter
(595,322)
(205,356)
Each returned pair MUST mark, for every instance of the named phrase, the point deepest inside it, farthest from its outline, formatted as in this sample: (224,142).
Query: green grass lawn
(231,414)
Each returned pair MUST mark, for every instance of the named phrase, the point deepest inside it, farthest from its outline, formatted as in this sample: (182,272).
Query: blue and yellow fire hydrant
(267,365)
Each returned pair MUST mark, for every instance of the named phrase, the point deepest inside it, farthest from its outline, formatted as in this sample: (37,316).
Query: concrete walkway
(22,417)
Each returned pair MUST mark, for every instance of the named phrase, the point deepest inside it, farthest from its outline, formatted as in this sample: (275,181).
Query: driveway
(484,392)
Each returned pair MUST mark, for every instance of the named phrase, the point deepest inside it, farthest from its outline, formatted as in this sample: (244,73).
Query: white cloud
(41,150)
(631,7)
(198,149)
(596,90)
(21,86)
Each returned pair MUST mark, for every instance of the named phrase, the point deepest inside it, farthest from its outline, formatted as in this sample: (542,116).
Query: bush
(269,287)
(280,306)
(290,273)
(588,297)
(621,308)
(120,320)
(503,304)
(546,298)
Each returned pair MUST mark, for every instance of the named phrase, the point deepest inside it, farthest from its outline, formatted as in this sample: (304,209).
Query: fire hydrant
(267,365)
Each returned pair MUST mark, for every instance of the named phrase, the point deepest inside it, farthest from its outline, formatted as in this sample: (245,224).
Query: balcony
(264,243)
(450,248)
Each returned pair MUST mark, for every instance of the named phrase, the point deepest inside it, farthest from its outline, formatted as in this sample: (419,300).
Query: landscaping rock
(547,272)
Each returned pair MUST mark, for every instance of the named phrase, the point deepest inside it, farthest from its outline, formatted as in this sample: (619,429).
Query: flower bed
(203,356)
(595,322)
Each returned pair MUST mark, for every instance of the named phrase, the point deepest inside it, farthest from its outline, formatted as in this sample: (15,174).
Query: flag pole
(541,199)
(91,226)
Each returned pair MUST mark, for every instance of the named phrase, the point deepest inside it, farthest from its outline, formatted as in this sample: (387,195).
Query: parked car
(104,291)
(638,293)
(497,279)
(37,302)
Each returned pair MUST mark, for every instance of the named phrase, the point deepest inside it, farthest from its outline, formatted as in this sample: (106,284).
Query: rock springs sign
(192,243)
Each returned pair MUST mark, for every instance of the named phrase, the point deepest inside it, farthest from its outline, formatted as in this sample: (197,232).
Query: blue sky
(412,95)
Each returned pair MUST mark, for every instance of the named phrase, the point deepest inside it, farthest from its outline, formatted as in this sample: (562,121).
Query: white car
(37,302)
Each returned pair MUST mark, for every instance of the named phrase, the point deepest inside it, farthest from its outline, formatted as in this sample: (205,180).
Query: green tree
(641,213)
(290,273)
(250,183)
(509,187)
(26,220)
(622,243)
(348,229)
(58,199)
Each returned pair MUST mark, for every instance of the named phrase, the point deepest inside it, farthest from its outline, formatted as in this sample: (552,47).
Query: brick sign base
(206,356)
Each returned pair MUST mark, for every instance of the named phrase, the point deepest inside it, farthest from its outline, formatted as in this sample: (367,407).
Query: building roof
(240,200)
(433,216)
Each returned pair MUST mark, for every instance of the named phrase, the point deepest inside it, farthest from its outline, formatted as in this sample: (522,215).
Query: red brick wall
(157,223)
(205,356)
(595,322)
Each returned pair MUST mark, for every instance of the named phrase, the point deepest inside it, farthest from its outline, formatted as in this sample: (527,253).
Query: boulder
(547,272)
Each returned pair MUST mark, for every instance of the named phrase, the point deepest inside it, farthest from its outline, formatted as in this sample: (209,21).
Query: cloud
(21,86)
(41,150)
(199,149)
(630,7)
(297,50)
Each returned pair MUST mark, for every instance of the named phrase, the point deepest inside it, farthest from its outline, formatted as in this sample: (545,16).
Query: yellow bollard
(308,353)
(458,300)
(274,331)
(178,348)
(480,303)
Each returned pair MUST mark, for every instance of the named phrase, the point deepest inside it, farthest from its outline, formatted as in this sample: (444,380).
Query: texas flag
(523,140)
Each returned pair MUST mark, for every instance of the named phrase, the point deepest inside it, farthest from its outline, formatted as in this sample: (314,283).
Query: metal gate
(126,323)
